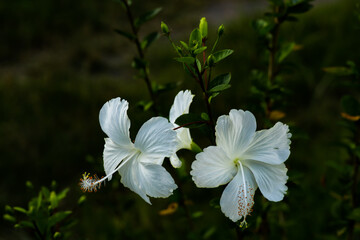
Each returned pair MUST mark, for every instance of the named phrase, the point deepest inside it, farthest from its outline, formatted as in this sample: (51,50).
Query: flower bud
(221,30)
(164,28)
(203,27)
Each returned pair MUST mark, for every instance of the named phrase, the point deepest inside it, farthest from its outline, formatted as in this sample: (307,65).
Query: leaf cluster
(43,218)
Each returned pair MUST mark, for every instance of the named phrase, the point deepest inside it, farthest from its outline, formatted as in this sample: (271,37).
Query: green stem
(141,56)
(206,99)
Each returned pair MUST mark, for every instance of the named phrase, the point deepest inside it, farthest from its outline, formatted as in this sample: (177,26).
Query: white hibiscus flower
(246,159)
(138,163)
(180,106)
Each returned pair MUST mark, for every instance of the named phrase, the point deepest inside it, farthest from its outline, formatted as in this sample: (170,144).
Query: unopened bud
(164,28)
(221,30)
(203,27)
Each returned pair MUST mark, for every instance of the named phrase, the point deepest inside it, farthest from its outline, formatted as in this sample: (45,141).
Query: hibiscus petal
(235,132)
(156,138)
(130,177)
(181,105)
(175,161)
(212,168)
(115,122)
(270,146)
(113,155)
(147,179)
(156,181)
(238,197)
(270,178)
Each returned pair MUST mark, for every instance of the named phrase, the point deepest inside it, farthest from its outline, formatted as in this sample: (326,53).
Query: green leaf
(220,80)
(339,71)
(9,218)
(149,39)
(195,38)
(198,64)
(145,105)
(57,217)
(146,17)
(205,116)
(186,60)
(62,194)
(350,105)
(184,44)
(284,51)
(200,50)
(81,200)
(197,214)
(190,120)
(25,224)
(53,200)
(219,88)
(212,96)
(20,209)
(221,55)
(129,36)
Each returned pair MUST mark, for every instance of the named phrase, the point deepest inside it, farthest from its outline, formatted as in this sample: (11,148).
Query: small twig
(141,56)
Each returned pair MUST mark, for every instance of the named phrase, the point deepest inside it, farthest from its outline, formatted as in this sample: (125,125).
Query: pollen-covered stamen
(93,183)
(245,198)
(89,183)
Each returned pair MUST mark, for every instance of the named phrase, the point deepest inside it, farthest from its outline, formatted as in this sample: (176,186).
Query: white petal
(115,122)
(270,178)
(270,146)
(147,179)
(238,197)
(212,168)
(113,155)
(235,132)
(157,138)
(130,177)
(175,161)
(181,105)
(156,181)
(183,138)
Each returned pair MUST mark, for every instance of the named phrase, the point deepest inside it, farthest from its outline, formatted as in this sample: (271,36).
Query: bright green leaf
(222,54)
(20,209)
(219,80)
(200,50)
(195,38)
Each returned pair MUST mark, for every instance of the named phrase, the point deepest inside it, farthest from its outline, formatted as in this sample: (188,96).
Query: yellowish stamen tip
(89,183)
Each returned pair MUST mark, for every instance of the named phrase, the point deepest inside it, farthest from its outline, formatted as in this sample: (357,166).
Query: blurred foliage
(61,60)
(43,219)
